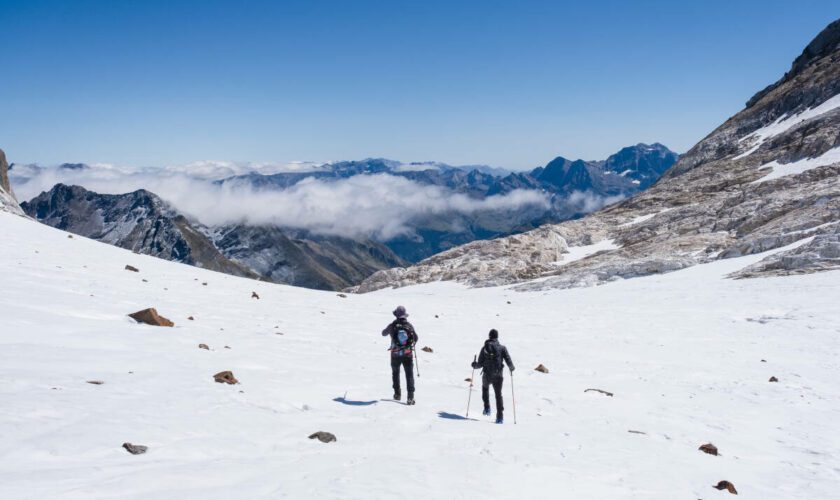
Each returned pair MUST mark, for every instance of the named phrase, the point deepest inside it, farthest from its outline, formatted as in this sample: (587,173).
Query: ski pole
(471,386)
(512,396)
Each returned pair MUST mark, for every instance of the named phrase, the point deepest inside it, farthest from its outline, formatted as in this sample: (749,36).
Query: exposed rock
(637,432)
(343,296)
(254,295)
(95,382)
(150,317)
(70,236)
(191,318)
(225,377)
(709,448)
(773,379)
(8,202)
(726,485)
(139,221)
(324,437)
(468,380)
(135,449)
(204,346)
(541,368)
(131,268)
(605,393)
(427,349)
(714,203)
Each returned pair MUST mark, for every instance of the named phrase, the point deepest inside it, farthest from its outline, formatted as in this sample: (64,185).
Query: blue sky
(510,84)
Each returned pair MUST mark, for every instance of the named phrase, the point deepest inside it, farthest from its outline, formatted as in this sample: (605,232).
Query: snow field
(681,352)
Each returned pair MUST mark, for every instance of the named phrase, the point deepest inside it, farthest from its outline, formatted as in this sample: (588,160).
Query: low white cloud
(379,206)
(587,202)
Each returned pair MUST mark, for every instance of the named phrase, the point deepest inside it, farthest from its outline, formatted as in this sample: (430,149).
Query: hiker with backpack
(491,360)
(403,340)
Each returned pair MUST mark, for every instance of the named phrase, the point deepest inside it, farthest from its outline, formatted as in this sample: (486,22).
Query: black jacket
(391,330)
(491,357)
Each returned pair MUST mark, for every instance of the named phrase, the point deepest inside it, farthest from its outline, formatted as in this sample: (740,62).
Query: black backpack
(402,338)
(493,359)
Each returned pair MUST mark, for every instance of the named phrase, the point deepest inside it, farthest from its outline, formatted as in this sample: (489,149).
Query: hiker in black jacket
(491,361)
(403,339)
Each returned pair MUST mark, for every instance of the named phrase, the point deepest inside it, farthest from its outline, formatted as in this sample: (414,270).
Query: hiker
(403,339)
(491,359)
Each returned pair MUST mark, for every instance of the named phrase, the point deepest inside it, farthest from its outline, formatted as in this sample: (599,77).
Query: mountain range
(145,223)
(765,179)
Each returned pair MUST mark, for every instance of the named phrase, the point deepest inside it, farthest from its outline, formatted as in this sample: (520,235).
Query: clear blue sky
(511,84)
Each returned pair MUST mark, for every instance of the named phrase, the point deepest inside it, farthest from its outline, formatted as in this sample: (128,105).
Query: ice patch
(784,169)
(784,123)
(584,251)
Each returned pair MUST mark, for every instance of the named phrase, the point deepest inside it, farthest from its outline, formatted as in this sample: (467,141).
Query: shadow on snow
(350,402)
(452,416)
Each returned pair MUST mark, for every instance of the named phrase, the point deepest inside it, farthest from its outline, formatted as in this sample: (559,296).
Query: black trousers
(496,381)
(407,362)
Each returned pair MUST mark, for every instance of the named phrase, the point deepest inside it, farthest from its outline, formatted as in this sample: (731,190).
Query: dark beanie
(494,334)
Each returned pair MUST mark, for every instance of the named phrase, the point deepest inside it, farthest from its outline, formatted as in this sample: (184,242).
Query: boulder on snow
(541,368)
(131,268)
(204,346)
(709,448)
(343,296)
(254,295)
(150,317)
(191,318)
(135,449)
(726,485)
(95,382)
(225,377)
(773,379)
(324,437)
(427,349)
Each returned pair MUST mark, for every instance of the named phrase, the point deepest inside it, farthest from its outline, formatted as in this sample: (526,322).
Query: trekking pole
(512,396)
(471,386)
(416,361)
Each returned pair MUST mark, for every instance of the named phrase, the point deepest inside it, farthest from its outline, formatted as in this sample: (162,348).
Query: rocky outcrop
(8,202)
(324,437)
(225,377)
(151,317)
(767,178)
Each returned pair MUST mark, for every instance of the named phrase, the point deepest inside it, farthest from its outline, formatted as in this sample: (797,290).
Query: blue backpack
(401,339)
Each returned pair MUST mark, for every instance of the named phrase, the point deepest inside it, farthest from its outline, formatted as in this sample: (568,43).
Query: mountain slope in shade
(142,222)
(766,178)
(138,221)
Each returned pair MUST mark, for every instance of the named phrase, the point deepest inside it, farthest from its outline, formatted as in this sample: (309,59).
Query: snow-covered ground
(682,353)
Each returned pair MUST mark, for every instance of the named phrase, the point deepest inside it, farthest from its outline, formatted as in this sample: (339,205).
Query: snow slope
(681,352)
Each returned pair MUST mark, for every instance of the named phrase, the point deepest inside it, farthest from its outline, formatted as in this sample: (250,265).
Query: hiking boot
(486,412)
(500,420)
(397,396)
(410,400)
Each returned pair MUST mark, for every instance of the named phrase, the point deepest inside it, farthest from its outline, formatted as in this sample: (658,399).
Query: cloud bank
(376,206)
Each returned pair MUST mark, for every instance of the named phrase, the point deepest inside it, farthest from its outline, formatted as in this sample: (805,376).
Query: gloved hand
(511,368)
(475,365)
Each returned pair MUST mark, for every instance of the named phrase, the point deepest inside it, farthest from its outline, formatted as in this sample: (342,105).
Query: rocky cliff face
(138,221)
(765,179)
(142,222)
(8,202)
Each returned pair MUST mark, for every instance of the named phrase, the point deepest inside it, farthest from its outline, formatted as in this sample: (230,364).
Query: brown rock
(726,485)
(225,377)
(151,317)
(709,448)
(131,268)
(95,382)
(191,318)
(541,369)
(773,379)
(135,449)
(70,236)
(204,346)
(342,295)
(254,295)
(605,393)
(324,437)
(468,380)
(427,349)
